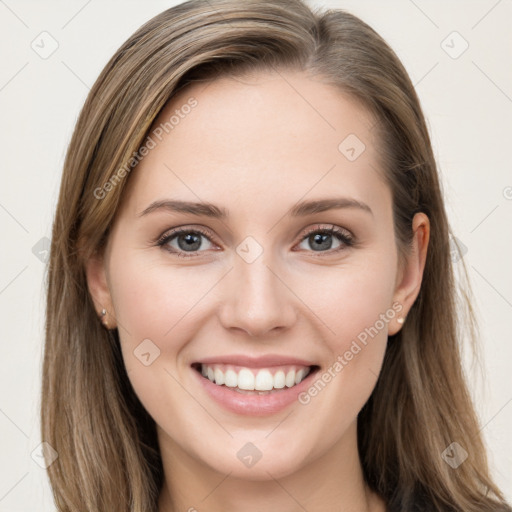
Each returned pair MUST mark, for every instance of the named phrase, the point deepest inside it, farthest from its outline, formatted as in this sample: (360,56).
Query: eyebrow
(210,210)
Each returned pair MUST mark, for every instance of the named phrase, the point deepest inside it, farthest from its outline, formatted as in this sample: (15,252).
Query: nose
(257,299)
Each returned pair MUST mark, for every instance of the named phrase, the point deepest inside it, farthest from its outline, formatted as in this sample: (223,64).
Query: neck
(333,481)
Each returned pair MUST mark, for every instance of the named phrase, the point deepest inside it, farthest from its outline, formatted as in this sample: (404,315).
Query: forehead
(274,135)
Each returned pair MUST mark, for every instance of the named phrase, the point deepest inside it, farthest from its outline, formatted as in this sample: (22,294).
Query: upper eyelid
(330,228)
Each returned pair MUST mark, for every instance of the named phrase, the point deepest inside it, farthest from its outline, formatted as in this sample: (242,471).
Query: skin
(256,147)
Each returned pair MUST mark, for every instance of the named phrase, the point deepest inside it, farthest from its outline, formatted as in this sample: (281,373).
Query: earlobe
(410,278)
(99,290)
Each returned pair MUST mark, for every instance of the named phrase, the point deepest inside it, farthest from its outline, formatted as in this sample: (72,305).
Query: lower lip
(254,405)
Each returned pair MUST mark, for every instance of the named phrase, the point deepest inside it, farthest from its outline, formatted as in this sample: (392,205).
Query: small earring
(400,320)
(104,321)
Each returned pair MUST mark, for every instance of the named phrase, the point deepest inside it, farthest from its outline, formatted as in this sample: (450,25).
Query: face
(273,291)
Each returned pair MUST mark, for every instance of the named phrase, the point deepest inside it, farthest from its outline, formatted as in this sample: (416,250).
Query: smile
(261,380)
(252,390)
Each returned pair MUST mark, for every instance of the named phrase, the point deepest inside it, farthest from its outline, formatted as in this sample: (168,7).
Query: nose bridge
(258,301)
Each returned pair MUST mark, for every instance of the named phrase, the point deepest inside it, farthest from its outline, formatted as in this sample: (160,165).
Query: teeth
(219,376)
(264,381)
(246,379)
(230,379)
(279,379)
(290,379)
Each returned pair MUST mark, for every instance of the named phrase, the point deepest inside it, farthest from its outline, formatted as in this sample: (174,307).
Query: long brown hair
(108,455)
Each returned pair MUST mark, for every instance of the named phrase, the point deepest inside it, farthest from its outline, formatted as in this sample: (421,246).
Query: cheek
(350,298)
(153,300)
(159,309)
(154,306)
(355,304)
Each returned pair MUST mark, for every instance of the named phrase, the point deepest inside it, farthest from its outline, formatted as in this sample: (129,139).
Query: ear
(410,274)
(99,290)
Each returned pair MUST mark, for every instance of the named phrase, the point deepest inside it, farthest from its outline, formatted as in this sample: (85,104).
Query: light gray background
(468,104)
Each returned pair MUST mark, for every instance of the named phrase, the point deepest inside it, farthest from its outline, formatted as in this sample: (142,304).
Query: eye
(184,242)
(187,242)
(321,239)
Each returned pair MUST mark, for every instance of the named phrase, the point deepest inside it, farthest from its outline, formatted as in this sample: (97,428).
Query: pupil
(321,237)
(190,240)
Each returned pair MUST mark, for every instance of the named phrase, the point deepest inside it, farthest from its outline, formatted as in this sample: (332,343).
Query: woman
(251,303)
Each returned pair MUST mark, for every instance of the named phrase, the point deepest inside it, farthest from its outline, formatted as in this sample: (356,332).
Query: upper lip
(256,362)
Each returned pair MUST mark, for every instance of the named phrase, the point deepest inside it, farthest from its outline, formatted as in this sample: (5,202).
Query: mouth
(252,380)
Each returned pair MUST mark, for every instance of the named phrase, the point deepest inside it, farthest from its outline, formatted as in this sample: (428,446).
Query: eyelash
(343,236)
